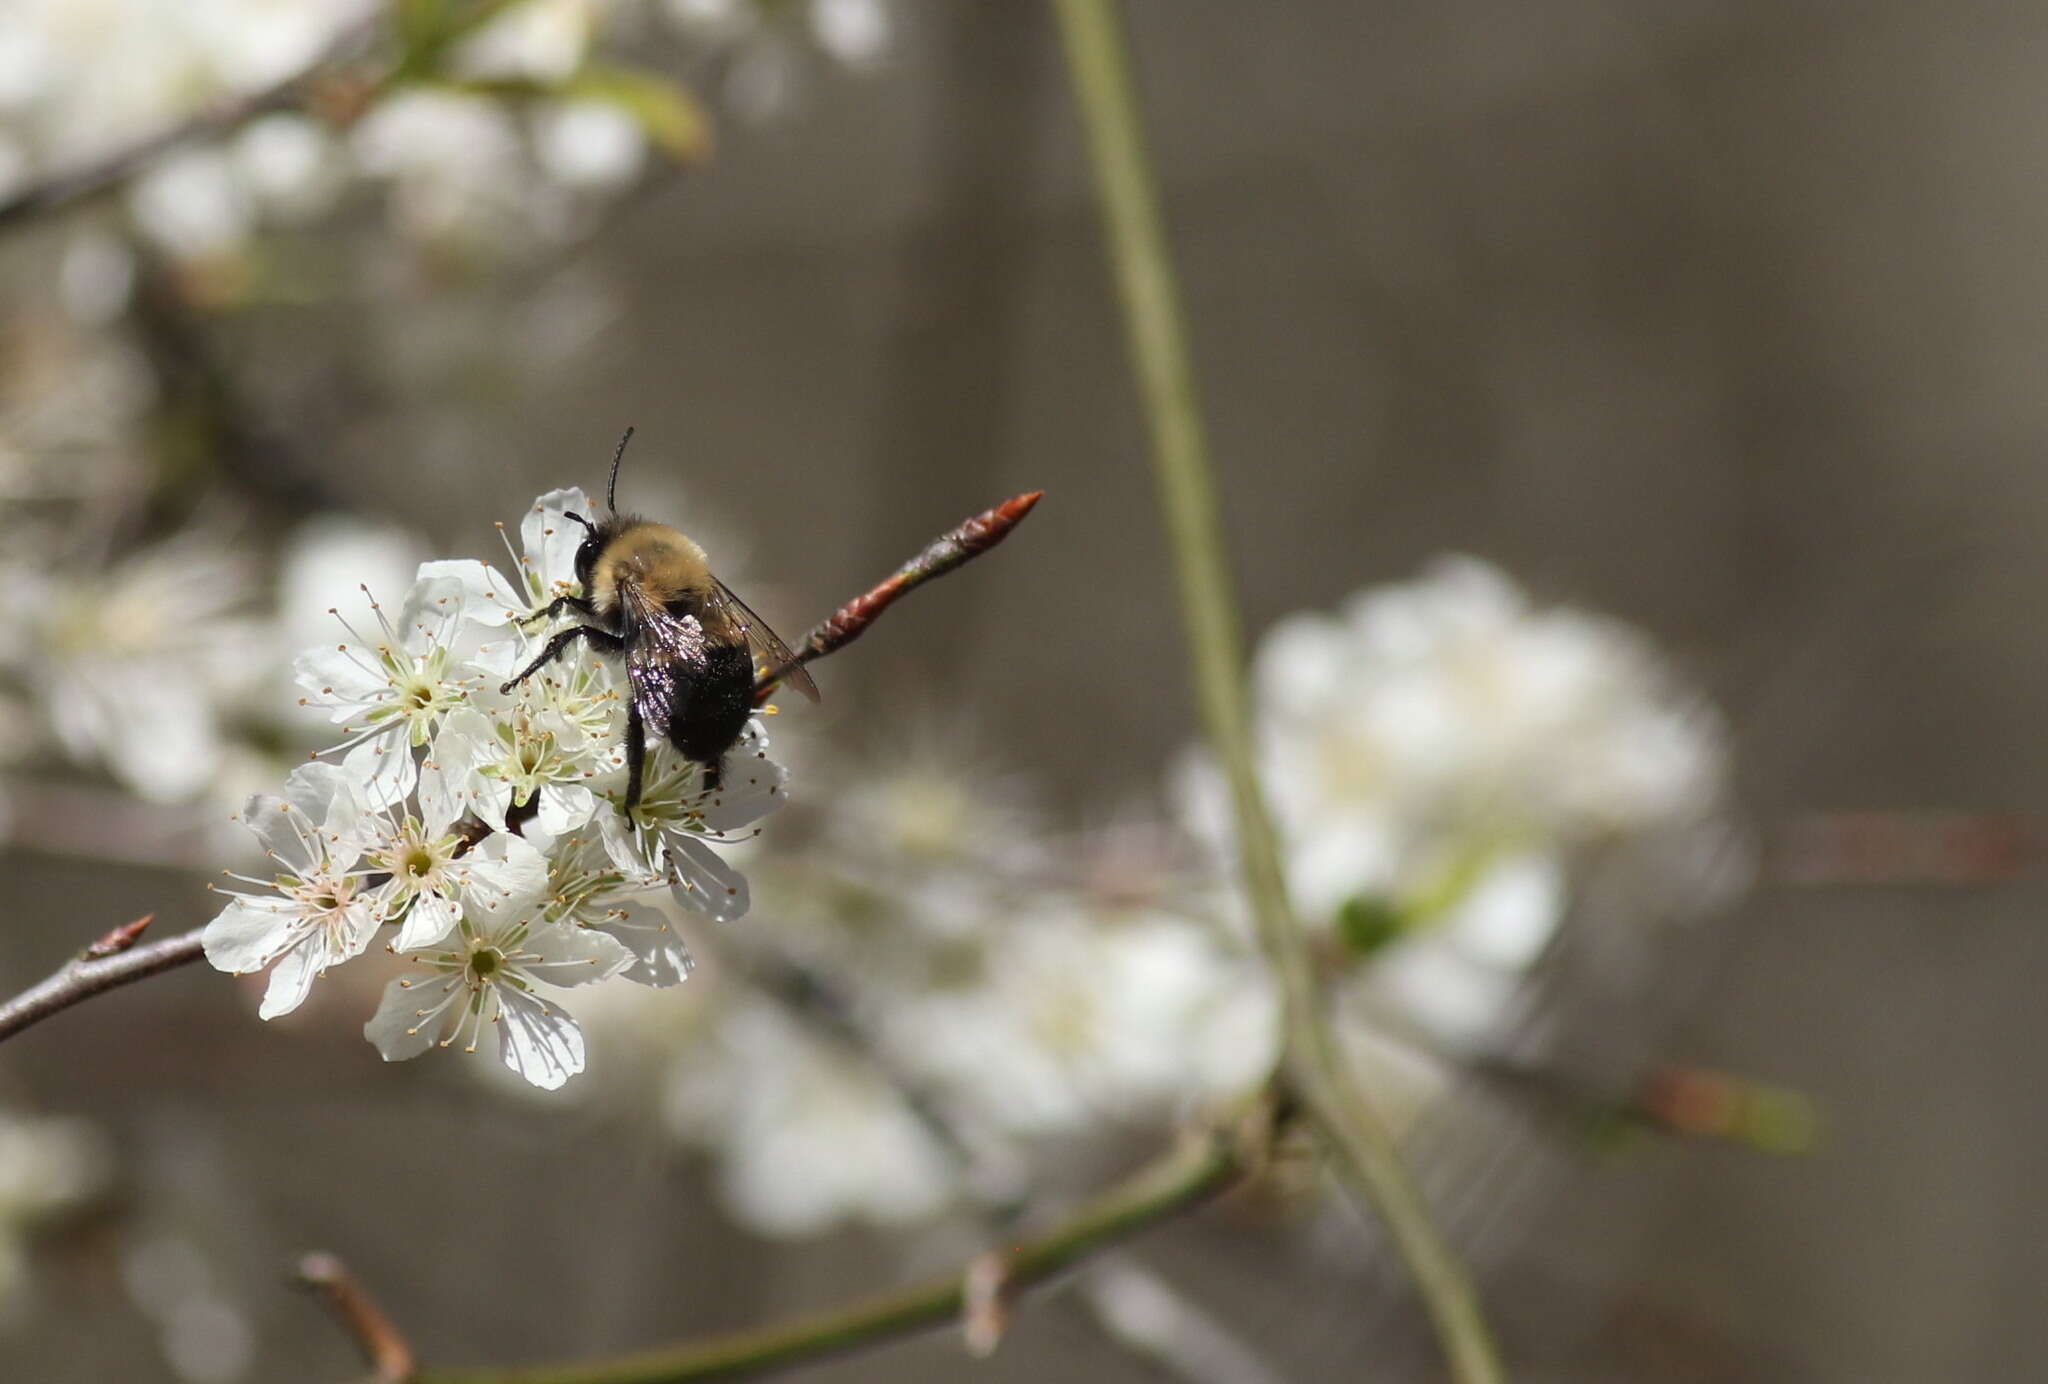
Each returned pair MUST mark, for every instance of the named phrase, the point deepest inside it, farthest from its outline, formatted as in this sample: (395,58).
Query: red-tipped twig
(942,555)
(385,1350)
(118,939)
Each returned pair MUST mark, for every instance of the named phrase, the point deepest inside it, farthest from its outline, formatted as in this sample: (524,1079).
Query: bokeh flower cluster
(939,991)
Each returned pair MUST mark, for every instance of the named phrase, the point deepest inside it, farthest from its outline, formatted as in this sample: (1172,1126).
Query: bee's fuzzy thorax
(663,562)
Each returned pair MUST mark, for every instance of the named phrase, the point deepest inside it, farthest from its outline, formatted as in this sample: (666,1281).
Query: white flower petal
(433,916)
(564,807)
(659,956)
(247,934)
(703,882)
(551,541)
(510,870)
(573,955)
(537,1040)
(632,852)
(396,1028)
(751,784)
(292,980)
(340,677)
(383,770)
(430,612)
(489,599)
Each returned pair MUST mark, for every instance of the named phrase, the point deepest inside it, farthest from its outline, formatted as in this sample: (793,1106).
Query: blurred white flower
(135,662)
(454,160)
(810,1137)
(540,40)
(47,1165)
(289,164)
(1076,1021)
(856,32)
(768,48)
(1436,756)
(589,144)
(192,205)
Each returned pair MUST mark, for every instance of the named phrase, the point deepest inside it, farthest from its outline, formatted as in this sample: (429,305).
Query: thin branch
(1364,1149)
(1122,1299)
(385,1349)
(83,978)
(1177,1182)
(949,550)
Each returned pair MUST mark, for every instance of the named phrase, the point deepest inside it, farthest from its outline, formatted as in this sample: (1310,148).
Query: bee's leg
(604,641)
(636,756)
(560,603)
(713,775)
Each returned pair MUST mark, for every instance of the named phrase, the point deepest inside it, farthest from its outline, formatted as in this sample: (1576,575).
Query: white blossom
(324,909)
(389,691)
(431,869)
(543,568)
(586,888)
(670,833)
(489,977)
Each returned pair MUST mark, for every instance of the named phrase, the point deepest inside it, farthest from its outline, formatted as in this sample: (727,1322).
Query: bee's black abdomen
(720,702)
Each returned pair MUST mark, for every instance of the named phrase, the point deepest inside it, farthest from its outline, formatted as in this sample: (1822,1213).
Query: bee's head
(596,535)
(587,550)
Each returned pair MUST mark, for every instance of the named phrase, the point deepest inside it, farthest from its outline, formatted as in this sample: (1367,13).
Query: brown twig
(384,1348)
(846,624)
(81,979)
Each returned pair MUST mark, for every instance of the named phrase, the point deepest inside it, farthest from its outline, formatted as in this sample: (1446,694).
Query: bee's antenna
(611,487)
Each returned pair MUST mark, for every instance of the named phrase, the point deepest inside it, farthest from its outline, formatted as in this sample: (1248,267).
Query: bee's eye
(586,559)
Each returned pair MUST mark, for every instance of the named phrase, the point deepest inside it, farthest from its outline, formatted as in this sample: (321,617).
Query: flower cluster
(1441,756)
(944,989)
(482,826)
(504,132)
(948,989)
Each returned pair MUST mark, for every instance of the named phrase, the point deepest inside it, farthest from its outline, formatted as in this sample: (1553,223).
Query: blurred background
(1671,852)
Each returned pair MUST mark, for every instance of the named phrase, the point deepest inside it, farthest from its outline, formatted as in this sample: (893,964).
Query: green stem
(1178,1181)
(1364,1149)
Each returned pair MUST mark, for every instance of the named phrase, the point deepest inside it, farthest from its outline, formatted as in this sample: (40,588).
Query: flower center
(485,962)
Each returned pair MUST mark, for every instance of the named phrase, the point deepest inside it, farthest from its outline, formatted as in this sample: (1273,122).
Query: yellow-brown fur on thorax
(662,562)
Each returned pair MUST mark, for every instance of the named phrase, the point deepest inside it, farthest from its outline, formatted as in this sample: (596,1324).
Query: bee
(690,645)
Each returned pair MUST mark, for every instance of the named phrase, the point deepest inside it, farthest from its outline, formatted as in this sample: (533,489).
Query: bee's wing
(781,663)
(662,659)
